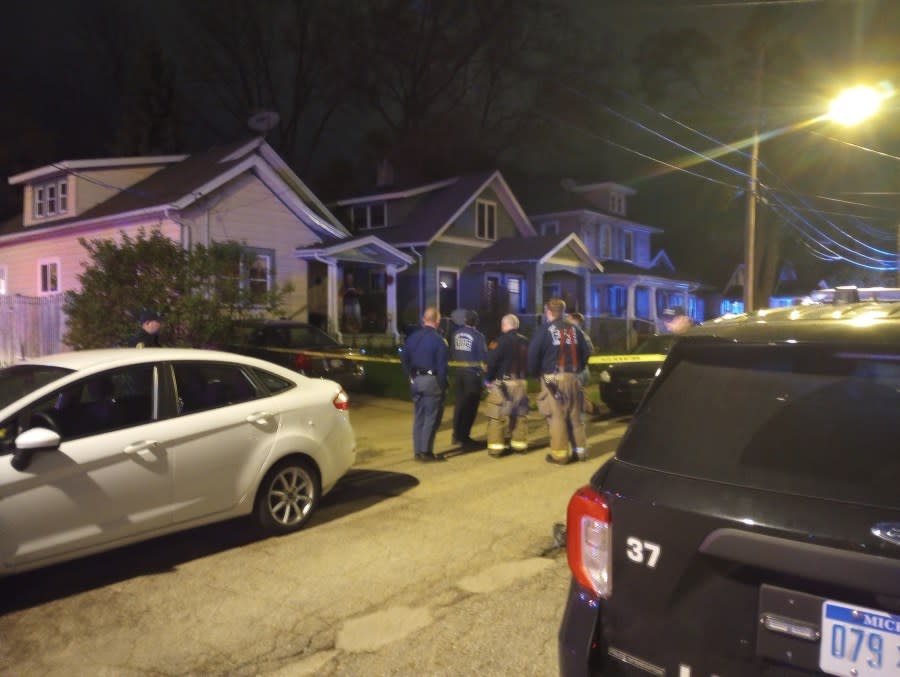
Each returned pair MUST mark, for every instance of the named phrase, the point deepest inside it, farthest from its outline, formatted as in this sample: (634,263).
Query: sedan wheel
(287,497)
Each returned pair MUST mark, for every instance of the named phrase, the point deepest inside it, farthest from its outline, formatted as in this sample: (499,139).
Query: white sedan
(101,448)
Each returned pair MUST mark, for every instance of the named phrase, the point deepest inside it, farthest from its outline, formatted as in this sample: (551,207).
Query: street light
(850,107)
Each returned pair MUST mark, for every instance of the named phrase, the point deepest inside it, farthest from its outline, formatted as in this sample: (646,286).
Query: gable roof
(190,178)
(537,249)
(440,205)
(366,248)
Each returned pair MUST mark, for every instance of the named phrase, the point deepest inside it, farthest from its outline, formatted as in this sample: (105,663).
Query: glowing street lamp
(854,105)
(850,107)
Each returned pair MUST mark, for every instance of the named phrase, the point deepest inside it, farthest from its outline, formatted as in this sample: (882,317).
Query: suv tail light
(302,362)
(341,400)
(589,541)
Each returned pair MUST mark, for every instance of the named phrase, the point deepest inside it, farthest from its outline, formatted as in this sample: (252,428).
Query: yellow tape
(619,359)
(358,358)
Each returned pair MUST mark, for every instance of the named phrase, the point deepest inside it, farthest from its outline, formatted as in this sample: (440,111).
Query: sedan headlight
(605,376)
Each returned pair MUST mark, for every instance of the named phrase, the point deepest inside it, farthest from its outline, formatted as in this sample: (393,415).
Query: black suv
(749,522)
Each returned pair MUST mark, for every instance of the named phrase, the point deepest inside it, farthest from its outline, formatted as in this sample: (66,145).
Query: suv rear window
(790,418)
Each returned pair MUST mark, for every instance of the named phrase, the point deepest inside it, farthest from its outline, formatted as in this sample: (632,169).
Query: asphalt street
(407,569)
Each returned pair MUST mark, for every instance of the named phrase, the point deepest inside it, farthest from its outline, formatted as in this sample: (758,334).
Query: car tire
(287,496)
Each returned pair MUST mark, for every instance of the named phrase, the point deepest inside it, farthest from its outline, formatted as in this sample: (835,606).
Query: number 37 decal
(642,552)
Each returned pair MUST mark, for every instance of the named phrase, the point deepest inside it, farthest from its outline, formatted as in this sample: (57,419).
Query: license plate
(859,642)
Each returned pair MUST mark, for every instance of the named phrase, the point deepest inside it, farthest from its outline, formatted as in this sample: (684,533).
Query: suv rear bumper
(577,653)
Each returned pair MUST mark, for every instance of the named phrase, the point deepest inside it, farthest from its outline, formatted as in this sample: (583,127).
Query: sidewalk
(384,426)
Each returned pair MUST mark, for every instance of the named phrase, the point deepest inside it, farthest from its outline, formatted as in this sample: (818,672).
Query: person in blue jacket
(424,361)
(468,346)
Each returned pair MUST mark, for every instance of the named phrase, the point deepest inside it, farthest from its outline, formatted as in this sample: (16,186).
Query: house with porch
(240,192)
(626,299)
(443,226)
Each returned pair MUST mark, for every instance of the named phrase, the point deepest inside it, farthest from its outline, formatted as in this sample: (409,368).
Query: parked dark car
(301,347)
(625,378)
(749,522)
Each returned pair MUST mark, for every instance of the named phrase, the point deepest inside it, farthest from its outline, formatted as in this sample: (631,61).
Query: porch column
(538,304)
(586,276)
(391,301)
(333,303)
(653,316)
(629,318)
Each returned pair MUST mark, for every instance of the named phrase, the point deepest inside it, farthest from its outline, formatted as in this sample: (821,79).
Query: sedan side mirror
(30,441)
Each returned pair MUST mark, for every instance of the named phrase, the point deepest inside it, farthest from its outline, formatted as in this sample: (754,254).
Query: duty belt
(421,372)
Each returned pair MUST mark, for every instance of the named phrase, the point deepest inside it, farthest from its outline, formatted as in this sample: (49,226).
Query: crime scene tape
(619,359)
(355,357)
(592,360)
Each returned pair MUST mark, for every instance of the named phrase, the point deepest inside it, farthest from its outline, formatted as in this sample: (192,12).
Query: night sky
(622,90)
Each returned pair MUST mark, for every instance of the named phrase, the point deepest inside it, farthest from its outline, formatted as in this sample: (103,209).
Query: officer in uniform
(557,354)
(507,401)
(424,361)
(467,345)
(148,335)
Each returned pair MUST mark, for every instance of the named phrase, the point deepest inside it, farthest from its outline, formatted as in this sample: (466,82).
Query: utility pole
(753,195)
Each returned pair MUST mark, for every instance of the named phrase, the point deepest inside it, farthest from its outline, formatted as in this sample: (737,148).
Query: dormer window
(486,220)
(51,198)
(363,217)
(617,203)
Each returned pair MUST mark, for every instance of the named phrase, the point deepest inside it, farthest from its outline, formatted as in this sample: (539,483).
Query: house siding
(247,212)
(21,259)
(464,226)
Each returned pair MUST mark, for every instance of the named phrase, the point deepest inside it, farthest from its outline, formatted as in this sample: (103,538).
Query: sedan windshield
(21,379)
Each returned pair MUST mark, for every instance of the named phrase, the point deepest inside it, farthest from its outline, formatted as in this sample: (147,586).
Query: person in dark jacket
(468,346)
(148,335)
(424,361)
(557,354)
(506,405)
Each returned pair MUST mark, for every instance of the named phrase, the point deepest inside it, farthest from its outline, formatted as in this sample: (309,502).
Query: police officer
(424,361)
(507,401)
(467,345)
(148,335)
(557,353)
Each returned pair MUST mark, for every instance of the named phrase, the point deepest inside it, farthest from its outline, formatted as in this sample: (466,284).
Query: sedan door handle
(259,417)
(142,449)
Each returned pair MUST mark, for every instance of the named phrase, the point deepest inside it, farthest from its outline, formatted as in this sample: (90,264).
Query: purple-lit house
(240,192)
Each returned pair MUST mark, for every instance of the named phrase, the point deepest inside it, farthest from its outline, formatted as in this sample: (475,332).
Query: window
(208,385)
(363,217)
(101,403)
(515,287)
(485,220)
(617,299)
(259,277)
(48,276)
(550,228)
(628,246)
(604,241)
(617,203)
(3,275)
(50,199)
